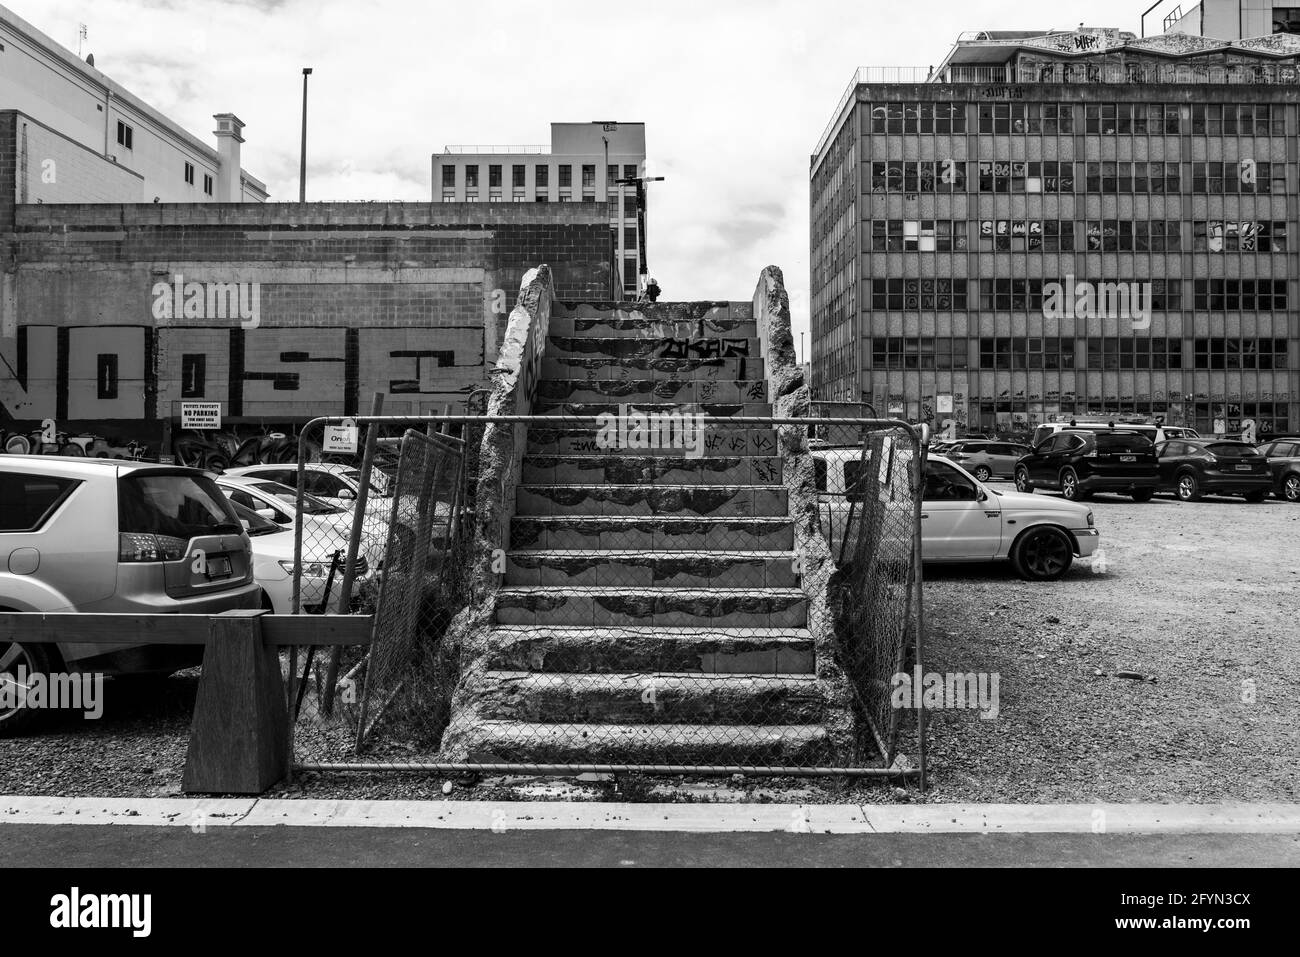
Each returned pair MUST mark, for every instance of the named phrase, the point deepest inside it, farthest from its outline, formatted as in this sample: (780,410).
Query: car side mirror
(267,513)
(983,496)
(346,494)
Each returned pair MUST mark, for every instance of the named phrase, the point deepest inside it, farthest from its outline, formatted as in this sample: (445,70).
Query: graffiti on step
(693,348)
(741,442)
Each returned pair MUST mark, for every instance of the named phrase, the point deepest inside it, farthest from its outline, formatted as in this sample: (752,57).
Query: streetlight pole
(639,182)
(302,168)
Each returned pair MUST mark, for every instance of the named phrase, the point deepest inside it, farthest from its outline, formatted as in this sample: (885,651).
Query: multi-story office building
(80,137)
(582,164)
(1047,225)
(1231,19)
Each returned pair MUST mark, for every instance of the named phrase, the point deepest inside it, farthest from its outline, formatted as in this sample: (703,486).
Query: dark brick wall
(409,299)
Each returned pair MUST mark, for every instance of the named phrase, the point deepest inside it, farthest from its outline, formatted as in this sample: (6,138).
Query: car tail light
(141,547)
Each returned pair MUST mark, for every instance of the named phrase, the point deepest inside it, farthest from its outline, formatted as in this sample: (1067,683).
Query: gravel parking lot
(1204,598)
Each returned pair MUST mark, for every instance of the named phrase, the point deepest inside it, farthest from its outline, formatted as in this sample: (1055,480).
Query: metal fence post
(354,548)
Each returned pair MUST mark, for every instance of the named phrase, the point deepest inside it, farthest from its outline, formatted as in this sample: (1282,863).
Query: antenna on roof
(81,35)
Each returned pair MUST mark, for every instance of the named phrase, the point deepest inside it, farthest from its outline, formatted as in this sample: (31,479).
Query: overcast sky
(734,94)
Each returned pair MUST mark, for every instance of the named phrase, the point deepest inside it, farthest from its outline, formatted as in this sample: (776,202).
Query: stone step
(705,348)
(649,698)
(655,311)
(559,367)
(667,500)
(552,649)
(650,470)
(721,410)
(679,744)
(636,568)
(651,390)
(665,607)
(634,326)
(663,532)
(720,440)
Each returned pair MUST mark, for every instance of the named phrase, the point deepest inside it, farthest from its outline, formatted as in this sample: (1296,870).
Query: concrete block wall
(51,168)
(407,299)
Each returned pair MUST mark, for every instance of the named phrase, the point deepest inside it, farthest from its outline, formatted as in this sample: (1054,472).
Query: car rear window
(1230,450)
(182,506)
(257,525)
(310,504)
(855,479)
(1123,443)
(27,501)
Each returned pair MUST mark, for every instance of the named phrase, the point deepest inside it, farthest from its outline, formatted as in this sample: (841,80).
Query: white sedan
(330,482)
(321,522)
(273,565)
(963,520)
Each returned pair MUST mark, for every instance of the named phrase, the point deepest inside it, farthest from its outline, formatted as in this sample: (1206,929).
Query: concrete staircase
(651,611)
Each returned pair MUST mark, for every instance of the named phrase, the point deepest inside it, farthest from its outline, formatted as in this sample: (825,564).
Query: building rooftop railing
(1067,72)
(485,150)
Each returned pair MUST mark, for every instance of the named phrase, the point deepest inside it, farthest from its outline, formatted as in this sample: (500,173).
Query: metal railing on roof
(485,150)
(872,74)
(1067,72)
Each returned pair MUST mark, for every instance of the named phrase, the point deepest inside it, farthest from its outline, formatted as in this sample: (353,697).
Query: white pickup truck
(962,520)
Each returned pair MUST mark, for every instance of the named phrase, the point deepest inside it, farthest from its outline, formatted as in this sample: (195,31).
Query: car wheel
(983,474)
(1042,554)
(1256,497)
(1291,488)
(1189,489)
(33,659)
(1142,494)
(1022,481)
(18,445)
(1070,486)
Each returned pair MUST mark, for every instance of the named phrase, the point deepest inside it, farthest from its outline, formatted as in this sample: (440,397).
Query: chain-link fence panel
(406,535)
(659,589)
(869,489)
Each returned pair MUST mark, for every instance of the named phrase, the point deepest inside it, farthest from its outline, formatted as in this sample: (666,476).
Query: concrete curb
(200,814)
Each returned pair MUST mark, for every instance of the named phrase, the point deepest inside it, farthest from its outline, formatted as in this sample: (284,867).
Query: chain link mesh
(733,598)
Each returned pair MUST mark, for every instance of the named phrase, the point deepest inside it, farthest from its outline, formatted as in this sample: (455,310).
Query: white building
(80,137)
(1231,19)
(582,164)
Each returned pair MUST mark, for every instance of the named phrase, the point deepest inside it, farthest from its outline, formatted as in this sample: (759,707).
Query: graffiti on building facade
(135,376)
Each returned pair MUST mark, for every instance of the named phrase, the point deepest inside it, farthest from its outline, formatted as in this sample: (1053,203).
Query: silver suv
(100,535)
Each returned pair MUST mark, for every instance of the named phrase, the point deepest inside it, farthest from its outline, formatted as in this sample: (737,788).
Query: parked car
(985,459)
(962,520)
(1283,457)
(1191,468)
(273,565)
(334,484)
(1079,463)
(108,536)
(322,522)
(1156,433)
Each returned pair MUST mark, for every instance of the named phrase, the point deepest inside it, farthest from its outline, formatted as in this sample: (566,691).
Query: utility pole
(639,182)
(302,168)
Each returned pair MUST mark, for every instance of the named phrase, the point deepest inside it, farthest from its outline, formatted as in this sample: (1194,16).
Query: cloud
(735,94)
